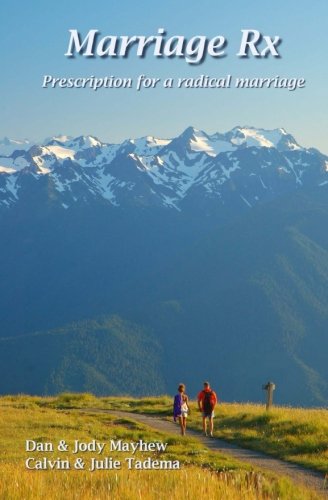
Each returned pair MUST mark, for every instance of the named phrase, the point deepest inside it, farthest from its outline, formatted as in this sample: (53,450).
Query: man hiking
(206,403)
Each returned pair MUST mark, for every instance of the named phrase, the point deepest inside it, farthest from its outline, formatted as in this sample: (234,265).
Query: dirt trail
(298,474)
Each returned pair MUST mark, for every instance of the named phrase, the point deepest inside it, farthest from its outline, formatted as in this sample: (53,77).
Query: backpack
(207,402)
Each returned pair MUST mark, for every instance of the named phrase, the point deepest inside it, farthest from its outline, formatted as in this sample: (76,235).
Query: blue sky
(34,38)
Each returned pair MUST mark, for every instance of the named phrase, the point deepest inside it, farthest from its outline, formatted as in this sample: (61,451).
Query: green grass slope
(202,473)
(105,356)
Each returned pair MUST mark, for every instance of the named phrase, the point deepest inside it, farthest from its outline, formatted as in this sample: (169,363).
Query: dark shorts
(208,414)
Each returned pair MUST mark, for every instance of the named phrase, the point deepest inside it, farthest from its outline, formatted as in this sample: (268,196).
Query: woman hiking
(181,408)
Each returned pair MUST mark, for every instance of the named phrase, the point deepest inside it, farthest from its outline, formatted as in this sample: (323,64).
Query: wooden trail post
(269,387)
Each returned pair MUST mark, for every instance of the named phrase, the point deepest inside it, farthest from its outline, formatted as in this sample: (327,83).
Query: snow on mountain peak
(256,137)
(58,138)
(8,146)
(84,142)
(148,145)
(199,141)
(59,151)
(192,140)
(174,167)
(245,159)
(77,143)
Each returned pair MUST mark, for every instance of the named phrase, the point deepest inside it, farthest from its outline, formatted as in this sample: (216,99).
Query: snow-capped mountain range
(242,167)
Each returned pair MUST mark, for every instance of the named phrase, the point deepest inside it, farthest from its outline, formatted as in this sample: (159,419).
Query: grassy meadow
(298,435)
(202,472)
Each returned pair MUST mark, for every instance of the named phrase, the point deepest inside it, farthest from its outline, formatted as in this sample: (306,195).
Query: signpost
(269,387)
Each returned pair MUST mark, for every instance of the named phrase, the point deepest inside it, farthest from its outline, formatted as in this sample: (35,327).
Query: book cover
(163,208)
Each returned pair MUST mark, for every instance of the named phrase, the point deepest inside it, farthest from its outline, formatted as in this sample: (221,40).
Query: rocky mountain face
(217,173)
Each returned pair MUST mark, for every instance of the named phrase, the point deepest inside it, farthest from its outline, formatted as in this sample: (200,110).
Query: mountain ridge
(238,169)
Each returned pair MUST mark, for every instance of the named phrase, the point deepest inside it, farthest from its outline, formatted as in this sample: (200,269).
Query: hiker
(181,408)
(206,403)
